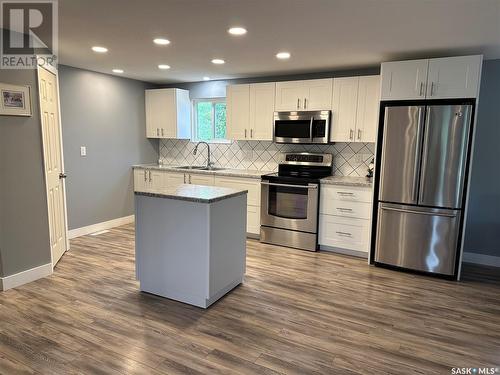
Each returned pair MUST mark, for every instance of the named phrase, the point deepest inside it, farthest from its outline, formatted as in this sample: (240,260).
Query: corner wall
(106,114)
(24,227)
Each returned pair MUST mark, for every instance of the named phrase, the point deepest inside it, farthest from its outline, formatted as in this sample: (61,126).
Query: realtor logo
(29,34)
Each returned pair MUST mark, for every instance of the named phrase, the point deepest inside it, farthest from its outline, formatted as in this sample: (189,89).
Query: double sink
(200,168)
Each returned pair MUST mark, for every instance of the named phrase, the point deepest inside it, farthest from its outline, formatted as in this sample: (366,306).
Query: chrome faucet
(209,163)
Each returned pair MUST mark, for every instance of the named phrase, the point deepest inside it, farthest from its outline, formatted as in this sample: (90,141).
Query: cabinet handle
(432,88)
(189,178)
(162,132)
(351,134)
(184,178)
(145,175)
(157,132)
(345,234)
(359,134)
(344,193)
(150,179)
(421,91)
(251,133)
(298,103)
(344,209)
(305,103)
(245,133)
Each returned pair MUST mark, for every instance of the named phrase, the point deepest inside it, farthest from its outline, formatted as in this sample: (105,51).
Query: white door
(173,181)
(52,151)
(344,106)
(262,111)
(319,94)
(368,108)
(199,179)
(161,117)
(238,103)
(290,95)
(454,77)
(402,80)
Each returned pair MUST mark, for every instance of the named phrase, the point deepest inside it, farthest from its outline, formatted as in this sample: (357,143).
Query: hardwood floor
(296,313)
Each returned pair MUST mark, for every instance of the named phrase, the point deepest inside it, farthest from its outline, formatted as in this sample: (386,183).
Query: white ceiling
(321,35)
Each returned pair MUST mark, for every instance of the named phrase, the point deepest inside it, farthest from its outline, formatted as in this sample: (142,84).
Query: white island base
(191,245)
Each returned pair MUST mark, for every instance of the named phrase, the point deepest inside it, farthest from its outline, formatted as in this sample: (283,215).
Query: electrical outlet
(83,151)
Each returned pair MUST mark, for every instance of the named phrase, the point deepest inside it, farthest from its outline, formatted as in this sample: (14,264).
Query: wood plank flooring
(296,313)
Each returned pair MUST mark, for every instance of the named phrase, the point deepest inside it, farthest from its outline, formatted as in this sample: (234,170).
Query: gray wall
(24,227)
(105,113)
(217,89)
(483,228)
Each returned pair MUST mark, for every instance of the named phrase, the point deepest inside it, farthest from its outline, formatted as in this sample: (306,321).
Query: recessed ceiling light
(237,31)
(161,41)
(99,49)
(283,55)
(119,71)
(206,78)
(163,66)
(218,61)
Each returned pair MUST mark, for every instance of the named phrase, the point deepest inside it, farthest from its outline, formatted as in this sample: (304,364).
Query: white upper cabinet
(355,109)
(367,112)
(168,113)
(310,95)
(262,111)
(345,101)
(404,80)
(238,111)
(250,110)
(443,78)
(454,77)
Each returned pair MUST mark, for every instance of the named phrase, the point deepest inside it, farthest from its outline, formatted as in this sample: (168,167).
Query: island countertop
(198,193)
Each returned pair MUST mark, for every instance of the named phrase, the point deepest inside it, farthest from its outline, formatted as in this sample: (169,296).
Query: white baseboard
(485,260)
(24,277)
(73,233)
(354,253)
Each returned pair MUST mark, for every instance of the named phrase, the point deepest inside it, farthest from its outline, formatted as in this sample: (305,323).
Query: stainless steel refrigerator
(421,186)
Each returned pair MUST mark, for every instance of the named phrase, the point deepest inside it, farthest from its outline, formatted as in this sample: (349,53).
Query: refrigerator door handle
(418,150)
(418,212)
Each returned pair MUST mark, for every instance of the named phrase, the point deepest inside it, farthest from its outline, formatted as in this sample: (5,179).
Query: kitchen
(288,220)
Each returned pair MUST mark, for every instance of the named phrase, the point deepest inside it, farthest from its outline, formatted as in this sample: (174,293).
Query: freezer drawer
(417,238)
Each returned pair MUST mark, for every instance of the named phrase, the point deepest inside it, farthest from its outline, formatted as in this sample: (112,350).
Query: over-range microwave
(302,127)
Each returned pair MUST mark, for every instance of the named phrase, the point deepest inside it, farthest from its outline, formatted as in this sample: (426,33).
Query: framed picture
(15,100)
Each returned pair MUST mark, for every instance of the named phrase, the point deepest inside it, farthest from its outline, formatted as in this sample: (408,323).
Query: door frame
(54,71)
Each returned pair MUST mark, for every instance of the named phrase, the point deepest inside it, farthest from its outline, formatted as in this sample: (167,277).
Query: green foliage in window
(210,120)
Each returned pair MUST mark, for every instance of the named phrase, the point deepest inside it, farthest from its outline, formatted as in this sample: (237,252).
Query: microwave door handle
(311,129)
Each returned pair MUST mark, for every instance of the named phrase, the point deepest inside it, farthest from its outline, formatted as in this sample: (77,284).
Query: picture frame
(15,100)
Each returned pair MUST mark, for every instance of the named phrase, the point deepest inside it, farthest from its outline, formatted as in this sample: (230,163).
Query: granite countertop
(224,172)
(198,193)
(348,181)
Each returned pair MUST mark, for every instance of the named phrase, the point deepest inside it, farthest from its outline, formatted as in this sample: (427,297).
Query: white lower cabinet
(156,181)
(345,218)
(253,198)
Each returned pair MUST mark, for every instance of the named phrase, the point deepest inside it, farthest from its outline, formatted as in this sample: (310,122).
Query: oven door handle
(310,186)
(311,128)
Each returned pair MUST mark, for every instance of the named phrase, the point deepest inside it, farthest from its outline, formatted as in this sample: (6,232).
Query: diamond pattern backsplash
(349,159)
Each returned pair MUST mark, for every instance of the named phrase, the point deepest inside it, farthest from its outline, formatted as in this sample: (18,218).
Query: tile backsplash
(349,159)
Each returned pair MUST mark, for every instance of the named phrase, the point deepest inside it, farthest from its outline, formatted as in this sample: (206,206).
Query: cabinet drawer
(140,180)
(346,193)
(346,233)
(360,210)
(253,219)
(199,179)
(250,184)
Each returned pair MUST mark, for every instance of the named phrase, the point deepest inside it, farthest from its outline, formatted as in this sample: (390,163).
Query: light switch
(83,151)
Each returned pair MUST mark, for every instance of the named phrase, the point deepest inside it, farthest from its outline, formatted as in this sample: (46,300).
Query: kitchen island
(190,244)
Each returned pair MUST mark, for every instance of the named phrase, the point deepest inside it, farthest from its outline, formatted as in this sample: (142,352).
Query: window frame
(194,125)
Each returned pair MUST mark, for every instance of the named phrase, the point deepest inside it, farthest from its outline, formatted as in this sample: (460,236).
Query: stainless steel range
(290,200)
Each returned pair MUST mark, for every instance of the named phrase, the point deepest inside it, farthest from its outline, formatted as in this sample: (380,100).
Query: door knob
(62,175)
